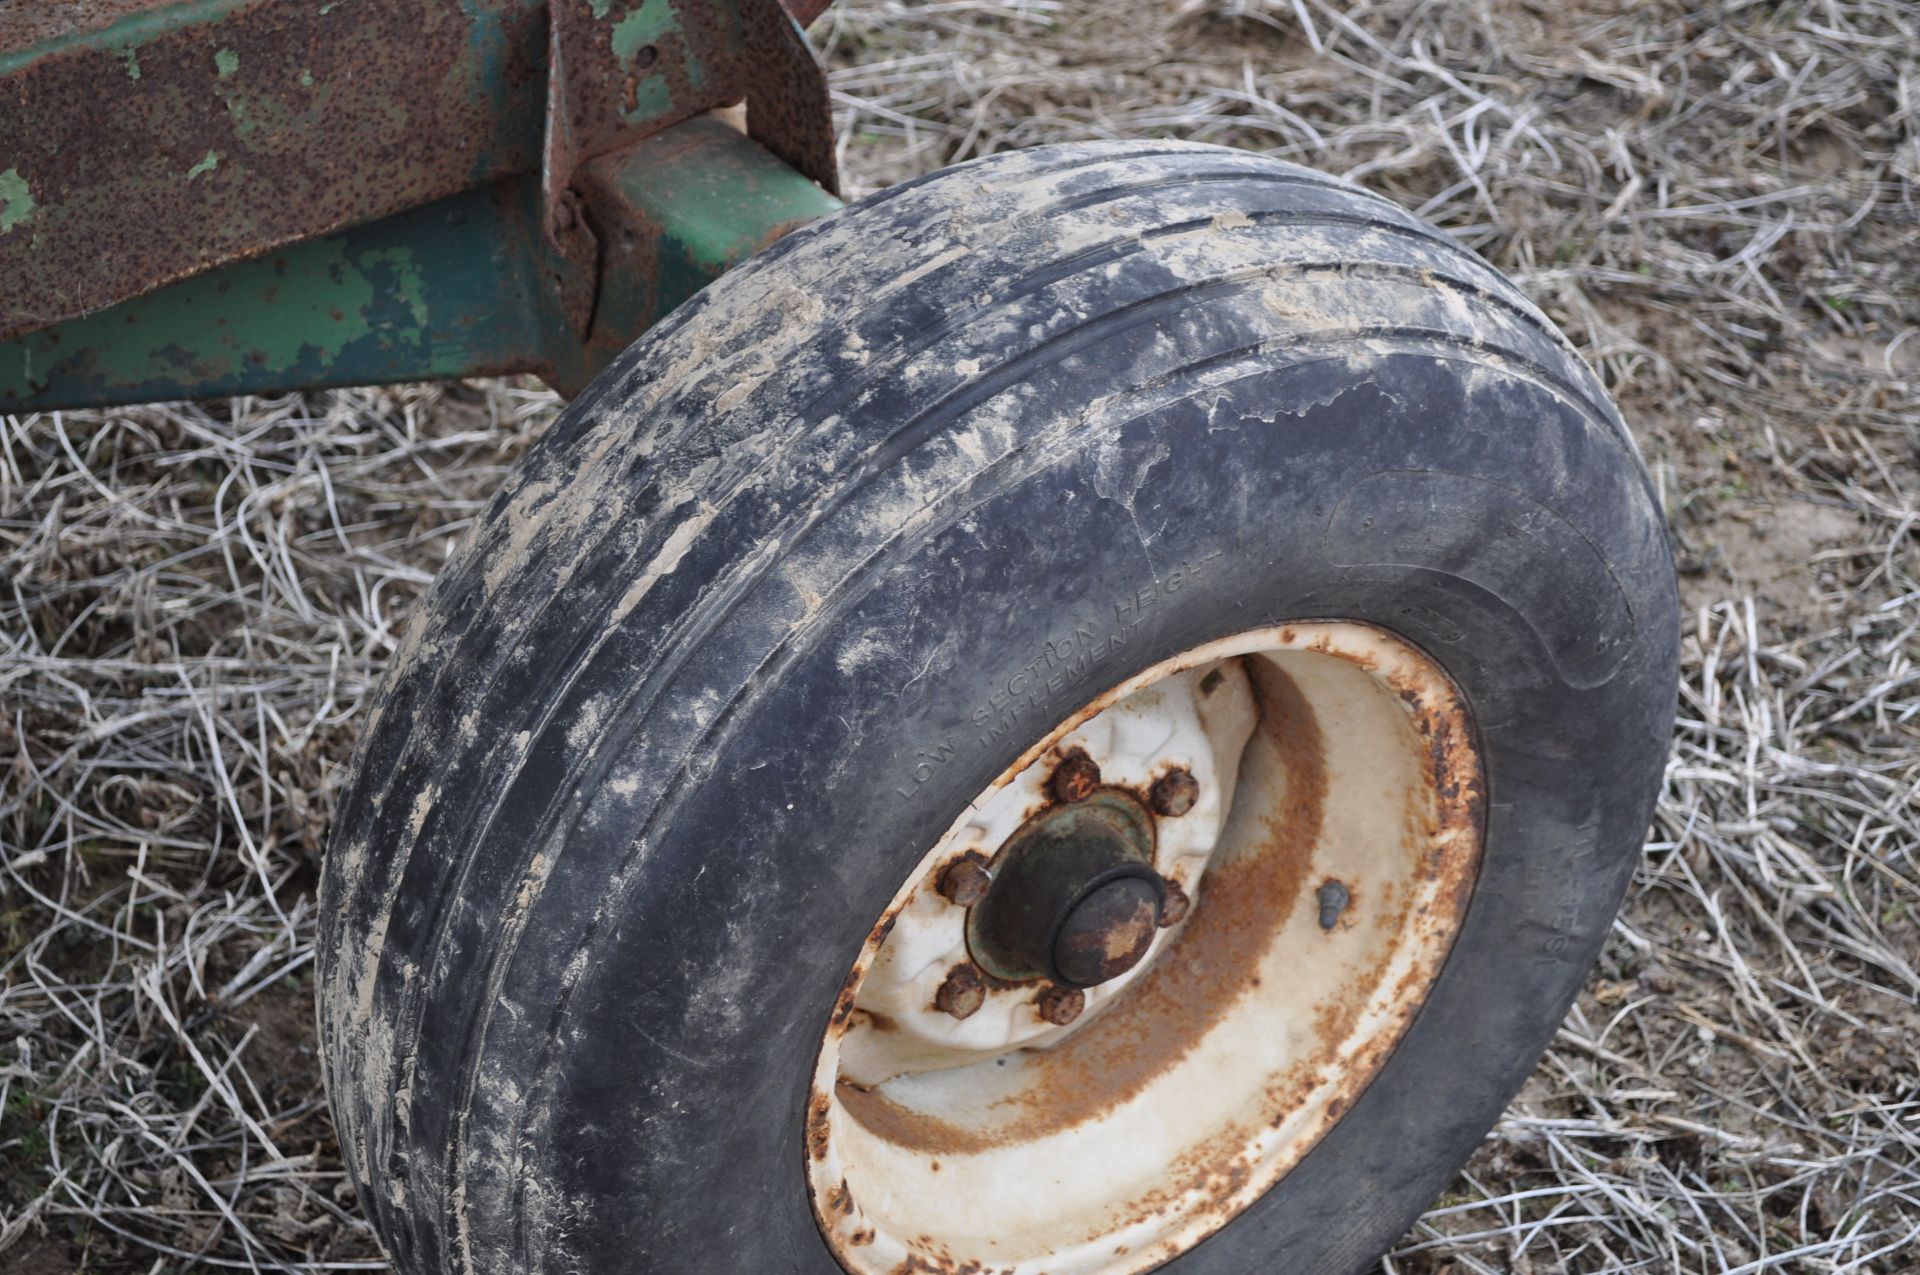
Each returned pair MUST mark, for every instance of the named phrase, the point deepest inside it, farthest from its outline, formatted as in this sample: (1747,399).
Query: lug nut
(1075,778)
(1061,1005)
(1175,910)
(962,994)
(964,882)
(1174,793)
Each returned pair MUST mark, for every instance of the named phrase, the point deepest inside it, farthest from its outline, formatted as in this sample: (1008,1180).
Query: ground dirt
(1717,201)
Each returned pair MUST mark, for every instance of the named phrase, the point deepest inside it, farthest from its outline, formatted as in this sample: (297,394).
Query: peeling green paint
(435,292)
(644,26)
(400,277)
(140,27)
(476,102)
(226,62)
(16,201)
(652,98)
(240,110)
(243,123)
(652,22)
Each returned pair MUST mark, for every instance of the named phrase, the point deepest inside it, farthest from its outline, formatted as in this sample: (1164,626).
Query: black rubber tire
(727,653)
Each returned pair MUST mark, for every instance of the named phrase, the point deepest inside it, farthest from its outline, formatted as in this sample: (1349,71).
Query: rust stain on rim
(1177,1001)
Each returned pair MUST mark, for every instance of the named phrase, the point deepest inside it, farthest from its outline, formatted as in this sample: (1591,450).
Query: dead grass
(1718,201)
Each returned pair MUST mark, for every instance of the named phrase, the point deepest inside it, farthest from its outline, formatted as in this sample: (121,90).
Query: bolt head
(964,882)
(1075,778)
(1174,793)
(962,993)
(1333,897)
(1061,1005)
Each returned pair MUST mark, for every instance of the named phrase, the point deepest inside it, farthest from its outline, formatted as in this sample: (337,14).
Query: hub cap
(1074,896)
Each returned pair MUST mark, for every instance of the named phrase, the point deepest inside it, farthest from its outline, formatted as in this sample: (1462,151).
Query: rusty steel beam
(155,140)
(464,286)
(143,142)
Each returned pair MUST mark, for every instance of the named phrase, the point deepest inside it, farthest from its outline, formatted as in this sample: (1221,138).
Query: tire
(706,680)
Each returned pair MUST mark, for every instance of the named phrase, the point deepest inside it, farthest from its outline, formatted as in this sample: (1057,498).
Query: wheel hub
(1074,897)
(1139,791)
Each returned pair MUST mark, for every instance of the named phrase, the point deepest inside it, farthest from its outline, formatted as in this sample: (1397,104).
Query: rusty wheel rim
(1314,797)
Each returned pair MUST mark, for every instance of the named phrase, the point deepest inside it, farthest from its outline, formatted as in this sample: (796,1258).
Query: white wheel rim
(1190,1084)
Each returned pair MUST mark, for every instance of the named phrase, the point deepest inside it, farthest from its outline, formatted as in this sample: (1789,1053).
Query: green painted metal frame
(459,287)
(207,197)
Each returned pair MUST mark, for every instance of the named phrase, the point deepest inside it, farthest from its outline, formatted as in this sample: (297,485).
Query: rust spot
(1177,906)
(819,1125)
(331,121)
(994,984)
(788,110)
(418,126)
(1213,1169)
(936,1264)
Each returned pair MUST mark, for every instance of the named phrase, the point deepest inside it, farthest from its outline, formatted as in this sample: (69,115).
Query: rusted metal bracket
(788,108)
(615,68)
